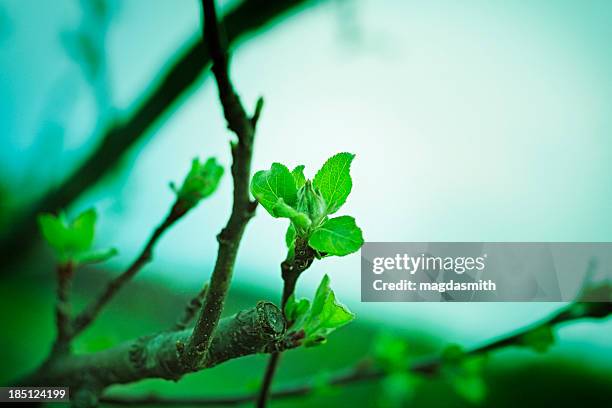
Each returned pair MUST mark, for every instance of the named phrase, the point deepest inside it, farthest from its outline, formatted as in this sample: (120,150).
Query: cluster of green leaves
(391,354)
(464,372)
(319,318)
(539,339)
(461,370)
(201,181)
(72,240)
(308,204)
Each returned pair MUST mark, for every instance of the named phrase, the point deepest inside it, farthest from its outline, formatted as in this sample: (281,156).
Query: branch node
(258,108)
(251,207)
(222,237)
(180,347)
(200,348)
(137,352)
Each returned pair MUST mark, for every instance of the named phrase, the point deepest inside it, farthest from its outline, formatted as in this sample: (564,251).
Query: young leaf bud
(311,202)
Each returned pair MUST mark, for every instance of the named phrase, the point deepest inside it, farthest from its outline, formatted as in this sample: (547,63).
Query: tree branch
(174,81)
(242,209)
(62,308)
(366,372)
(290,272)
(87,316)
(212,341)
(257,330)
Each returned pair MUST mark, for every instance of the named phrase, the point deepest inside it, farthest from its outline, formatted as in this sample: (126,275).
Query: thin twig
(243,208)
(290,272)
(367,372)
(62,308)
(192,308)
(87,316)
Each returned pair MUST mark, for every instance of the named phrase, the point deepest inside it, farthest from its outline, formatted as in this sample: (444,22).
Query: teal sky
(471,121)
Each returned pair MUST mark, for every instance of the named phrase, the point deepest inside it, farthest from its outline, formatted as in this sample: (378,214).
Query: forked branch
(257,330)
(87,316)
(242,209)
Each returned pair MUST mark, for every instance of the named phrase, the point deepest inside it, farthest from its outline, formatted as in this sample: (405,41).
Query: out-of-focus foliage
(72,240)
(464,372)
(392,354)
(201,181)
(539,339)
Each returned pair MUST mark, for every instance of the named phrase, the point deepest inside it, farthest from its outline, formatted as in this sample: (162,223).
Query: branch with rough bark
(212,341)
(367,371)
(290,272)
(257,330)
(243,208)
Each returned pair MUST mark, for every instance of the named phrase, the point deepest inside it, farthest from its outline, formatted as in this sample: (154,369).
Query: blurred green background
(471,121)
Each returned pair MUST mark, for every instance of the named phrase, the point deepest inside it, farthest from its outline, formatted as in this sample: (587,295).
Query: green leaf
(539,339)
(321,385)
(325,316)
(282,210)
(453,354)
(290,236)
(321,296)
(268,186)
(53,230)
(290,253)
(68,239)
(298,176)
(334,180)
(398,389)
(72,241)
(335,314)
(464,373)
(201,181)
(337,236)
(82,231)
(301,308)
(391,352)
(97,256)
(318,320)
(296,310)
(471,387)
